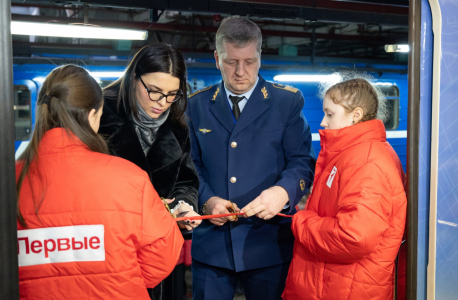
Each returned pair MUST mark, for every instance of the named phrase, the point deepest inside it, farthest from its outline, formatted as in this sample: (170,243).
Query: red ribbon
(283,215)
(219,216)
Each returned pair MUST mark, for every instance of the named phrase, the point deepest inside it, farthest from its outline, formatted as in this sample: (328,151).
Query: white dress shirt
(242,102)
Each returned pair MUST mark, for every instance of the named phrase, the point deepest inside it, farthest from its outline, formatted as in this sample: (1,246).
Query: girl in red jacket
(348,237)
(90,226)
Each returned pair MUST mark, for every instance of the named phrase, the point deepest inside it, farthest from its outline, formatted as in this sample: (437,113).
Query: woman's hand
(167,201)
(191,213)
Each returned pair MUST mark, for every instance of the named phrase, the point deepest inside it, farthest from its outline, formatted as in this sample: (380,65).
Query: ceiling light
(76,31)
(115,75)
(308,78)
(397,48)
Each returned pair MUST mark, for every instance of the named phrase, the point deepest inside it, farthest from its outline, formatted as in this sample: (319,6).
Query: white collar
(247,95)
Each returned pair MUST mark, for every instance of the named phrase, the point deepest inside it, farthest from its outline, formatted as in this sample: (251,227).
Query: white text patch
(331,176)
(61,244)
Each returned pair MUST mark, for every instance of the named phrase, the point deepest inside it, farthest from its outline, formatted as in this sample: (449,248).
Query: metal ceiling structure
(323,10)
(313,28)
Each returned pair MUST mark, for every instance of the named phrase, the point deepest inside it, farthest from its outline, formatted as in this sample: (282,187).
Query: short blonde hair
(358,92)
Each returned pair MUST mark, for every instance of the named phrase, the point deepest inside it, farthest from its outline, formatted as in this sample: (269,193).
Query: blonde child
(348,236)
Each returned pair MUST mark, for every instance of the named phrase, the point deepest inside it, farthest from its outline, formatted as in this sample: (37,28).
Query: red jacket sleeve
(364,211)
(160,240)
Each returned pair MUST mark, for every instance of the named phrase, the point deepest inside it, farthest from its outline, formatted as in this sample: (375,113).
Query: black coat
(168,162)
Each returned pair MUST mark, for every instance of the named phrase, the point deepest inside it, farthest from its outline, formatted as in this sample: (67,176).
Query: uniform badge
(264,92)
(285,87)
(200,91)
(216,94)
(302,184)
(204,130)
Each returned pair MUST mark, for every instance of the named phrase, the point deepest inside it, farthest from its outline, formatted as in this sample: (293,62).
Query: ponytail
(67,96)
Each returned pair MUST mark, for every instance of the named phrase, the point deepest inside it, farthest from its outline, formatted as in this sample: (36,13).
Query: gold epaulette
(285,87)
(200,91)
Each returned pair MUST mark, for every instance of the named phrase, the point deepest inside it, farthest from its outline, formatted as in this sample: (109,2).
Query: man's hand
(268,204)
(216,206)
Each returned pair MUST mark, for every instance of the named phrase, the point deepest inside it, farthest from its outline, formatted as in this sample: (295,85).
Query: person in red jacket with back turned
(348,237)
(90,225)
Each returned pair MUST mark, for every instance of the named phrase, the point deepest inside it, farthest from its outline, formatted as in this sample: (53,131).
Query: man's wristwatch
(204,208)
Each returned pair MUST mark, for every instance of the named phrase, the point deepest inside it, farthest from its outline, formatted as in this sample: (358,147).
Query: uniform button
(234,144)
(233,179)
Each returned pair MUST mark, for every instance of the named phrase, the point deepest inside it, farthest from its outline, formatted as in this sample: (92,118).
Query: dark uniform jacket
(270,144)
(168,162)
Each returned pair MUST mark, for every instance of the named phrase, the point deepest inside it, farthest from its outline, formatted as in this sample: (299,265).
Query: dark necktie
(235,106)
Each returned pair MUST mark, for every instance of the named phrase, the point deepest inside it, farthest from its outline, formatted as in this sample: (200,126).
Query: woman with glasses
(143,120)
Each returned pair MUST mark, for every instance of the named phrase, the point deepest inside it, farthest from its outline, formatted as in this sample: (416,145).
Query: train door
(25,96)
(424,148)
(442,276)
(437,269)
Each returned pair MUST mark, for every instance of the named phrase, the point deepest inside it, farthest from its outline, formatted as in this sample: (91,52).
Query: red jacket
(348,237)
(102,231)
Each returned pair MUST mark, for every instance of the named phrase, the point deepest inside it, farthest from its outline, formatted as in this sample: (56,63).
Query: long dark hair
(67,96)
(152,58)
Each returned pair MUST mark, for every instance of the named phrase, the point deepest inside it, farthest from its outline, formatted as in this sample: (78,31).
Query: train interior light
(397,48)
(75,31)
(308,78)
(110,75)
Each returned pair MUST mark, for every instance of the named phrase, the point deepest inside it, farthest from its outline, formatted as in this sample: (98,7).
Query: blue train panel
(313,110)
(199,78)
(446,275)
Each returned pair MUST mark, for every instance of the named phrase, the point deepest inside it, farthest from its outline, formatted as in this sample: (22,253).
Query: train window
(22,112)
(391,93)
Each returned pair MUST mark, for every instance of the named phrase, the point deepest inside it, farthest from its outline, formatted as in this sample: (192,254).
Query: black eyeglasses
(156,96)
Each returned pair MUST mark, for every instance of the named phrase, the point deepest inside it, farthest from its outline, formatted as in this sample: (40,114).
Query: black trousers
(172,288)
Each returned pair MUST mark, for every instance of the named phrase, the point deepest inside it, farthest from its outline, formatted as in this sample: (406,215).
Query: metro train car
(390,79)
(422,128)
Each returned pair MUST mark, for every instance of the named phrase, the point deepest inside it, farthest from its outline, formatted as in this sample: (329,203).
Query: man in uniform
(251,146)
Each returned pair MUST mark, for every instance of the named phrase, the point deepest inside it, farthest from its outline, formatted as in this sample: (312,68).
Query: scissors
(180,215)
(232,211)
